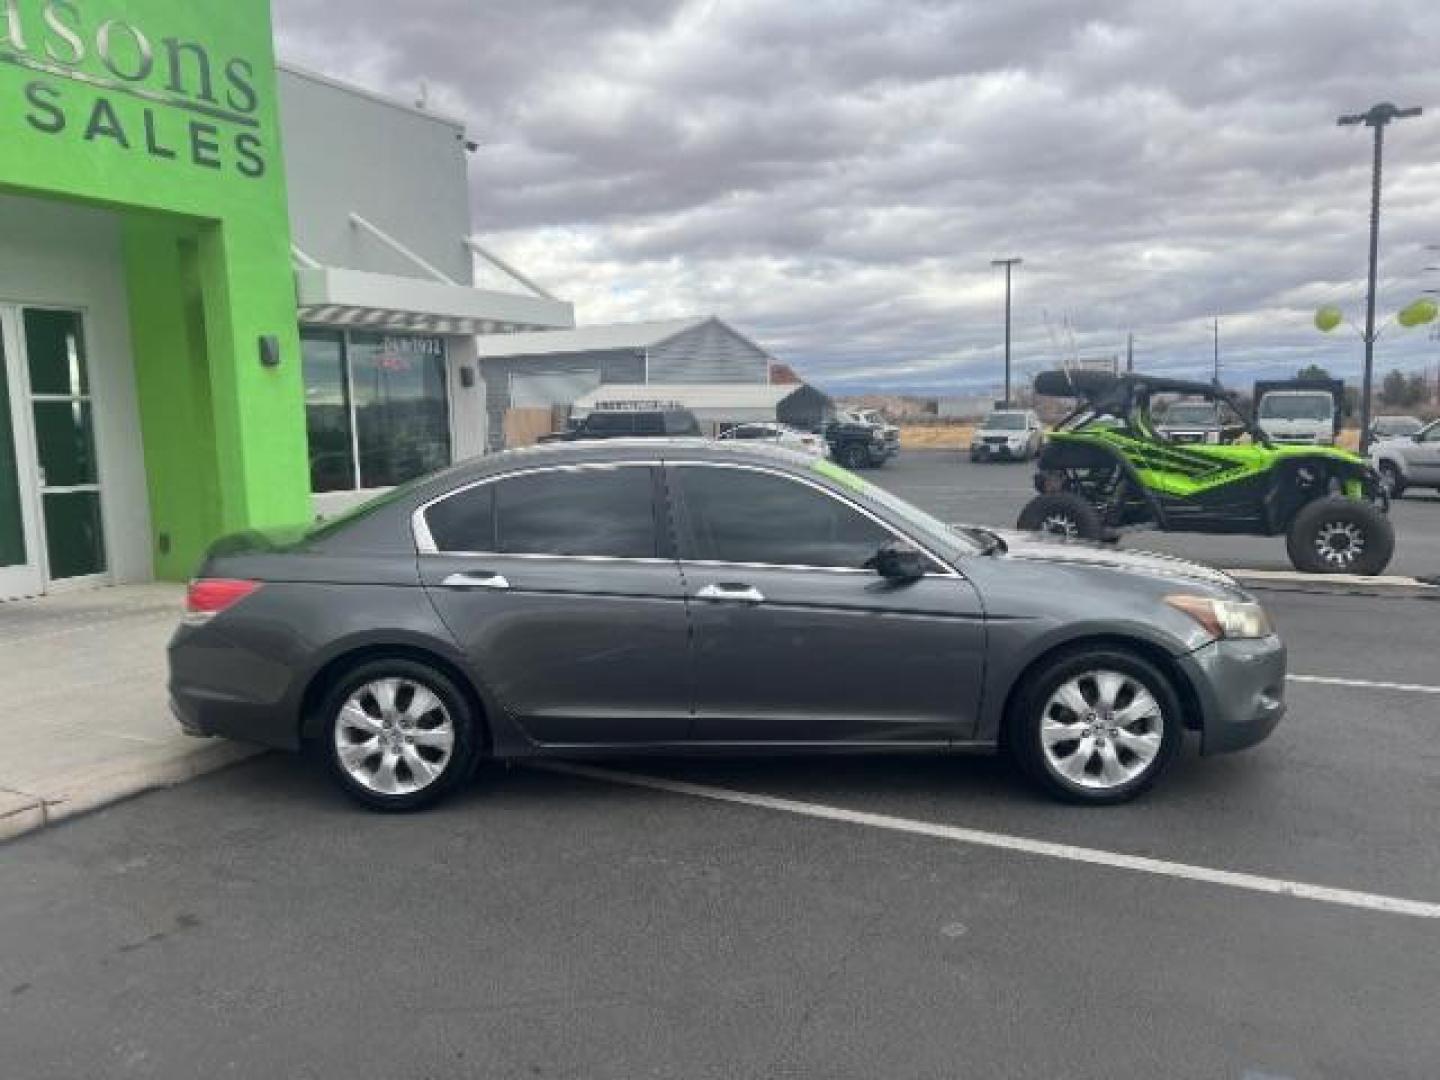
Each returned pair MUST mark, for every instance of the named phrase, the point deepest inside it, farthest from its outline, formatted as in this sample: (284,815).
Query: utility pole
(1009,265)
(1129,352)
(1217,353)
(1376,118)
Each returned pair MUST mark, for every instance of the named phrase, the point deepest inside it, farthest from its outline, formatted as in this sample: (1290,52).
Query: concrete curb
(70,796)
(1337,584)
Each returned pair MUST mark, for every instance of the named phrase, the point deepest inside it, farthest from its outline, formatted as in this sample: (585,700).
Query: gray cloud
(835,175)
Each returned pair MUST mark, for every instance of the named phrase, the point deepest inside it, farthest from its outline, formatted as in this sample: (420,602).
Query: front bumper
(1240,690)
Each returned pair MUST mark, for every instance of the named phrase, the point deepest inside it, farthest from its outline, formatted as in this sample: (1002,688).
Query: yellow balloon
(1418,313)
(1328,318)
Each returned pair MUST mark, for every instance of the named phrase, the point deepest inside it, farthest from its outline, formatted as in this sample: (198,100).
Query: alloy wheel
(1339,543)
(1101,729)
(394,736)
(1060,525)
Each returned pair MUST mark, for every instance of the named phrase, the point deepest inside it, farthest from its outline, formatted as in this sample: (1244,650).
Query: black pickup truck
(862,439)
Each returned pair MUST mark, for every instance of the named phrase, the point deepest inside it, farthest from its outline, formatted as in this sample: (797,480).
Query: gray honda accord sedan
(682,597)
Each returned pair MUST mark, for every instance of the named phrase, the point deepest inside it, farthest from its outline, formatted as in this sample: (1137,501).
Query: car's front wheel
(399,734)
(1097,725)
(855,457)
(1336,535)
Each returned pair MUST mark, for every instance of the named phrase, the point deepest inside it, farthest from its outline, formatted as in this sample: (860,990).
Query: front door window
(63,425)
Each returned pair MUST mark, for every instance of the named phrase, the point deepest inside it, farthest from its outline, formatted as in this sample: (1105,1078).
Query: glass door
(21,573)
(62,420)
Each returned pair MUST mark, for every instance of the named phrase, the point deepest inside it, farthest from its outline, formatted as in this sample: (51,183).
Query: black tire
(854,456)
(1045,512)
(1392,480)
(983,454)
(1340,536)
(1025,742)
(463,751)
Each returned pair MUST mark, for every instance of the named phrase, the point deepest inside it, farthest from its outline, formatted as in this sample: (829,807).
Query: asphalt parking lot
(840,917)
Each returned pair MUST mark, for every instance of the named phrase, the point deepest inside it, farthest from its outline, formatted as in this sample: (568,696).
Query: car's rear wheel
(1336,535)
(1062,514)
(1391,480)
(399,734)
(1097,726)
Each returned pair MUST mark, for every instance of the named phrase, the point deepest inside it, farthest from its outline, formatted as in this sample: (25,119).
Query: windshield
(1297,407)
(1190,414)
(1005,421)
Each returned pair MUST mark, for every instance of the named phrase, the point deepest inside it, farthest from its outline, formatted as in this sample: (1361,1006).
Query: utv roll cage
(1127,399)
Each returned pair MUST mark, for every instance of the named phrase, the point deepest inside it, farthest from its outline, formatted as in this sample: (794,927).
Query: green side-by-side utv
(1105,468)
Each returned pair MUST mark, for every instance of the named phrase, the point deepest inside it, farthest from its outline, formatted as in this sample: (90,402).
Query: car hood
(1033,547)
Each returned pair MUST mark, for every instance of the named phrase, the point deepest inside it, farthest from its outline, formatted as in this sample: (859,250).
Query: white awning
(360,300)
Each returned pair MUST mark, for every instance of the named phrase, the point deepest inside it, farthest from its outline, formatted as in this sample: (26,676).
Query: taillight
(207,597)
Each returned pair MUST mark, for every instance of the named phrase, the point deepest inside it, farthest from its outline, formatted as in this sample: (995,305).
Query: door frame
(27,578)
(32,490)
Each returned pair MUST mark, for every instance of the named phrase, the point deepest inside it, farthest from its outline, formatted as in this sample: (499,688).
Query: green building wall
(174,124)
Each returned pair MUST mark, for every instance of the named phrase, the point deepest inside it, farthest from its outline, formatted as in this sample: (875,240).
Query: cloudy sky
(834,176)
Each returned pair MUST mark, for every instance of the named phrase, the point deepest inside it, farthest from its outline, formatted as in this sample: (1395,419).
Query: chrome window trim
(946,570)
(425,540)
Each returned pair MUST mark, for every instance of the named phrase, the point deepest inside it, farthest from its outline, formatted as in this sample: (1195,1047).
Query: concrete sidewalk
(84,719)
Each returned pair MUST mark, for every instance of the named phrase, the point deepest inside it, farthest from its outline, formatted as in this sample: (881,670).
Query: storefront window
(376,408)
(327,412)
(402,421)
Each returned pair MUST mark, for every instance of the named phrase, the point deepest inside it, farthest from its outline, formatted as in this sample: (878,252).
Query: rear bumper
(1240,690)
(218,688)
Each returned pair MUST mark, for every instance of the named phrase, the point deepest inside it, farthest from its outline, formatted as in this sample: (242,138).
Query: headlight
(1225,618)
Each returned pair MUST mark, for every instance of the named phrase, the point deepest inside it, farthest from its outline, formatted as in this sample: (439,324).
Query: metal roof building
(532,379)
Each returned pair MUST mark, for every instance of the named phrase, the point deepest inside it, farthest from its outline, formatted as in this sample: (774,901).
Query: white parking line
(1390,905)
(1366,684)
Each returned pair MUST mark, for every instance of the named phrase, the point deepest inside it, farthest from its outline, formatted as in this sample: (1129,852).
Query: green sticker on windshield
(826,467)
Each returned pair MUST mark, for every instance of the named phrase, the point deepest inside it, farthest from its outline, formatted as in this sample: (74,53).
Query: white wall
(62,255)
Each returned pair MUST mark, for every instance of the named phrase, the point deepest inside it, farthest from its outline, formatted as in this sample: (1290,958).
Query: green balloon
(1328,318)
(1418,313)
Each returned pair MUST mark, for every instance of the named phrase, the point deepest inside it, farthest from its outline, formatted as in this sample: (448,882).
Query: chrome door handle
(476,579)
(737,593)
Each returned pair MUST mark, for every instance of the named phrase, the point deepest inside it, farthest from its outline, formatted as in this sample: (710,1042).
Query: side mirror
(898,561)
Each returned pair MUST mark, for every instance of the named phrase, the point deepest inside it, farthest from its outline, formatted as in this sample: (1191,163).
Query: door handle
(732,591)
(476,579)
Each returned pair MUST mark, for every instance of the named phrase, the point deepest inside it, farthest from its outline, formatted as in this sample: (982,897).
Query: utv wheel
(1391,480)
(854,456)
(399,735)
(1096,726)
(1062,514)
(1340,536)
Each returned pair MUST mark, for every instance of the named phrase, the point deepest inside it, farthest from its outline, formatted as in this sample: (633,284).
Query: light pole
(1217,352)
(1009,264)
(1377,118)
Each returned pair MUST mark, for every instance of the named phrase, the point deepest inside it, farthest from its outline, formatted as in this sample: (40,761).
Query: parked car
(1008,434)
(806,442)
(692,597)
(1188,422)
(629,423)
(1393,427)
(862,439)
(1409,461)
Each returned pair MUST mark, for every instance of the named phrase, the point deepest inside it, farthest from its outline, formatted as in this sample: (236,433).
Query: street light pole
(1376,118)
(1009,264)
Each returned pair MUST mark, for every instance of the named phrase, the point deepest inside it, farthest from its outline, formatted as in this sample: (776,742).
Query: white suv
(1408,461)
(1010,434)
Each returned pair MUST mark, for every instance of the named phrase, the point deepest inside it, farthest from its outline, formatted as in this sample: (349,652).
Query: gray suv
(683,596)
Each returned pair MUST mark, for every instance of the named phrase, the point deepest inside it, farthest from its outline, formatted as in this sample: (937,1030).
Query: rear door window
(604,511)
